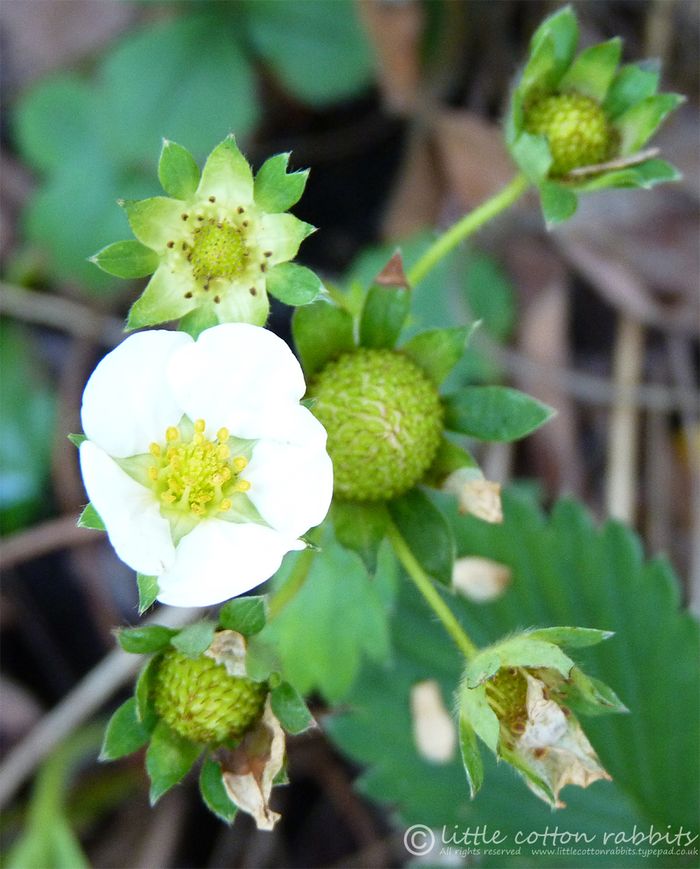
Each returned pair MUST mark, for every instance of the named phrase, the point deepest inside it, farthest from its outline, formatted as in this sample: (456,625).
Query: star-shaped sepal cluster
(579,123)
(217,244)
(200,698)
(520,696)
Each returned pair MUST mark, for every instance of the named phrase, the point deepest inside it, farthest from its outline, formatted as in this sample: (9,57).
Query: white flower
(201,462)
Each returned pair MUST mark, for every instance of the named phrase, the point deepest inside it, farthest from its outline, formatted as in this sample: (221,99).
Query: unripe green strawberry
(199,700)
(384,419)
(576,128)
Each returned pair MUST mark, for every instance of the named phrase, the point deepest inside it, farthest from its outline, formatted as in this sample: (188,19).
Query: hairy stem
(426,587)
(466,226)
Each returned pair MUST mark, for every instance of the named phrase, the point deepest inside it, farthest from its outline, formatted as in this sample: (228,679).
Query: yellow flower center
(194,474)
(218,251)
(507,695)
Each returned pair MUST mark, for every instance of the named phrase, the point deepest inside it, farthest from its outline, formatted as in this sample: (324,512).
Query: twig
(79,704)
(55,534)
(623,439)
(58,312)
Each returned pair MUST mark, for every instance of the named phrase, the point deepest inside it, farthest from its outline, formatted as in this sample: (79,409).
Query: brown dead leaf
(480,579)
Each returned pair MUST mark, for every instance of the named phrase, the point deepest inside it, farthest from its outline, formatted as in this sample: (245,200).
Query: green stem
(296,580)
(466,226)
(425,586)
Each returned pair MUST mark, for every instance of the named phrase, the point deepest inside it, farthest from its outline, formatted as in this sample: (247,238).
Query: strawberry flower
(200,461)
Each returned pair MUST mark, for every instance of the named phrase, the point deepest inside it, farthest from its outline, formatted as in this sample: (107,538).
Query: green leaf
(178,172)
(322,331)
(145,640)
(76,439)
(317,48)
(437,351)
(574,638)
(200,85)
(639,122)
(148,591)
(471,756)
(360,527)
(247,615)
(293,284)
(126,259)
(338,618)
(168,760)
(383,315)
(290,708)
(195,639)
(632,84)
(558,203)
(565,570)
(276,190)
(494,413)
(593,70)
(213,791)
(490,295)
(90,518)
(125,733)
(426,533)
(143,694)
(531,152)
(27,410)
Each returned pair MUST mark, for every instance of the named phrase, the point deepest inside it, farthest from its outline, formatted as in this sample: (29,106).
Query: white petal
(127,402)
(290,485)
(239,376)
(130,512)
(219,560)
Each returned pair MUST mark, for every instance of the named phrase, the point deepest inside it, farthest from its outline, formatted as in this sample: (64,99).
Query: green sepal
(558,203)
(471,756)
(531,152)
(592,72)
(383,316)
(126,259)
(76,439)
(293,284)
(494,413)
(360,527)
(148,591)
(168,760)
(633,83)
(291,710)
(145,640)
(437,351)
(90,518)
(573,638)
(162,300)
(322,331)
(639,122)
(194,323)
(143,694)
(517,651)
(644,175)
(178,172)
(426,533)
(213,791)
(552,49)
(589,696)
(276,190)
(246,615)
(474,707)
(450,457)
(125,734)
(194,639)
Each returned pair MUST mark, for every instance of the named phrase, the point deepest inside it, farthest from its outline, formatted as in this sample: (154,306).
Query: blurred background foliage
(395,107)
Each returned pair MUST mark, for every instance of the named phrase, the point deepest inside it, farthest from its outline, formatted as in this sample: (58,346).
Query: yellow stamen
(223,435)
(225,505)
(241,485)
(154,450)
(239,463)
(200,425)
(172,434)
(153,473)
